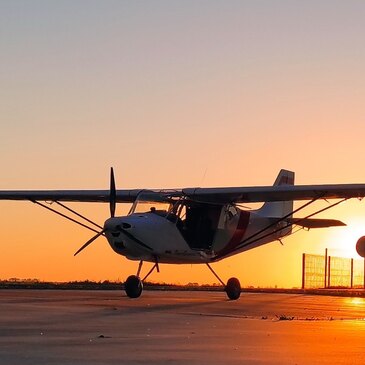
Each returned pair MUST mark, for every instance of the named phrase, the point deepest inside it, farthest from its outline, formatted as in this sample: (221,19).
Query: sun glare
(357,302)
(342,241)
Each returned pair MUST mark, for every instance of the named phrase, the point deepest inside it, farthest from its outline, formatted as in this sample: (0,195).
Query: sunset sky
(176,94)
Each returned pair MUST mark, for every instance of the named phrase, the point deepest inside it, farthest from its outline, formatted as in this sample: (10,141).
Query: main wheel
(233,288)
(133,286)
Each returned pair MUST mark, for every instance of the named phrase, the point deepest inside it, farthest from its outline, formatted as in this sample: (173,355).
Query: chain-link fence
(332,272)
(313,271)
(358,276)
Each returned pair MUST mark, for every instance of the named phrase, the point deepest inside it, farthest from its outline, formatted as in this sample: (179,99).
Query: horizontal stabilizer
(315,223)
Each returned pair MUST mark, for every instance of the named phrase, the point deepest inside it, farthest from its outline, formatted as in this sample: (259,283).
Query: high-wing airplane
(196,225)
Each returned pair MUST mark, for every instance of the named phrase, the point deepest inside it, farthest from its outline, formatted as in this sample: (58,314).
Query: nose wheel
(133,286)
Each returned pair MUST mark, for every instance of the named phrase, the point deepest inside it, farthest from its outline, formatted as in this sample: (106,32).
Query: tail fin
(279,209)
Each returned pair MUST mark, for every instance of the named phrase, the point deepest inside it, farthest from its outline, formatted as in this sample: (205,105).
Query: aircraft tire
(233,288)
(133,286)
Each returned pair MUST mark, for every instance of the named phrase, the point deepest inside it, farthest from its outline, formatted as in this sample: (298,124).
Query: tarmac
(179,327)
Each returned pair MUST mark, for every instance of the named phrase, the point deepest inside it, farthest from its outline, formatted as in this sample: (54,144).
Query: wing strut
(67,217)
(78,214)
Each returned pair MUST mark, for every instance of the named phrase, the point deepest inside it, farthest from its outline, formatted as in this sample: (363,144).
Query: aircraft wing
(275,193)
(122,196)
(210,195)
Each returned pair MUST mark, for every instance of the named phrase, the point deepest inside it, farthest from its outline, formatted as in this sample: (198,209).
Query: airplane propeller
(112,194)
(112,206)
(89,241)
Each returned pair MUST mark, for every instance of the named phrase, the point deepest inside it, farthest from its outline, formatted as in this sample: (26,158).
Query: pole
(329,272)
(303,271)
(352,273)
(325,267)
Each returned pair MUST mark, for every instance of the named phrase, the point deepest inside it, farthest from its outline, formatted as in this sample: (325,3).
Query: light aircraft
(196,225)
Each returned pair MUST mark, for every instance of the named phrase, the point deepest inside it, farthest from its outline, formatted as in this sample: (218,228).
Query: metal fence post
(329,272)
(325,268)
(303,271)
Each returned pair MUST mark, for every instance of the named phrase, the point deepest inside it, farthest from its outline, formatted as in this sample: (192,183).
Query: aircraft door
(200,225)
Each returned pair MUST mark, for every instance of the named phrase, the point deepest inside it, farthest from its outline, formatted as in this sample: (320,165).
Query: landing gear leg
(155,266)
(233,287)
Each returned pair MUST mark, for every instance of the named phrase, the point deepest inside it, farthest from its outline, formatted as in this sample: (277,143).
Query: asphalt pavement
(175,327)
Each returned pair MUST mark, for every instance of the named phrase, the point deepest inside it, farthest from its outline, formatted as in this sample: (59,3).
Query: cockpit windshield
(151,202)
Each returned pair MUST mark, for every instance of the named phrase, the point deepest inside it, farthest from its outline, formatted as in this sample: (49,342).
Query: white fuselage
(152,237)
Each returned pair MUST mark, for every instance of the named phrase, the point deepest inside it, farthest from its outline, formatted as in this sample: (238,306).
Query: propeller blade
(113,193)
(89,241)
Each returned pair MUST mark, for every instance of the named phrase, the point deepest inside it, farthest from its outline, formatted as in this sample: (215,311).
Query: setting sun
(342,240)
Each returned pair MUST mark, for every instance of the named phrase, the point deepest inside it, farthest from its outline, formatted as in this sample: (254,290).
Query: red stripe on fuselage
(238,233)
